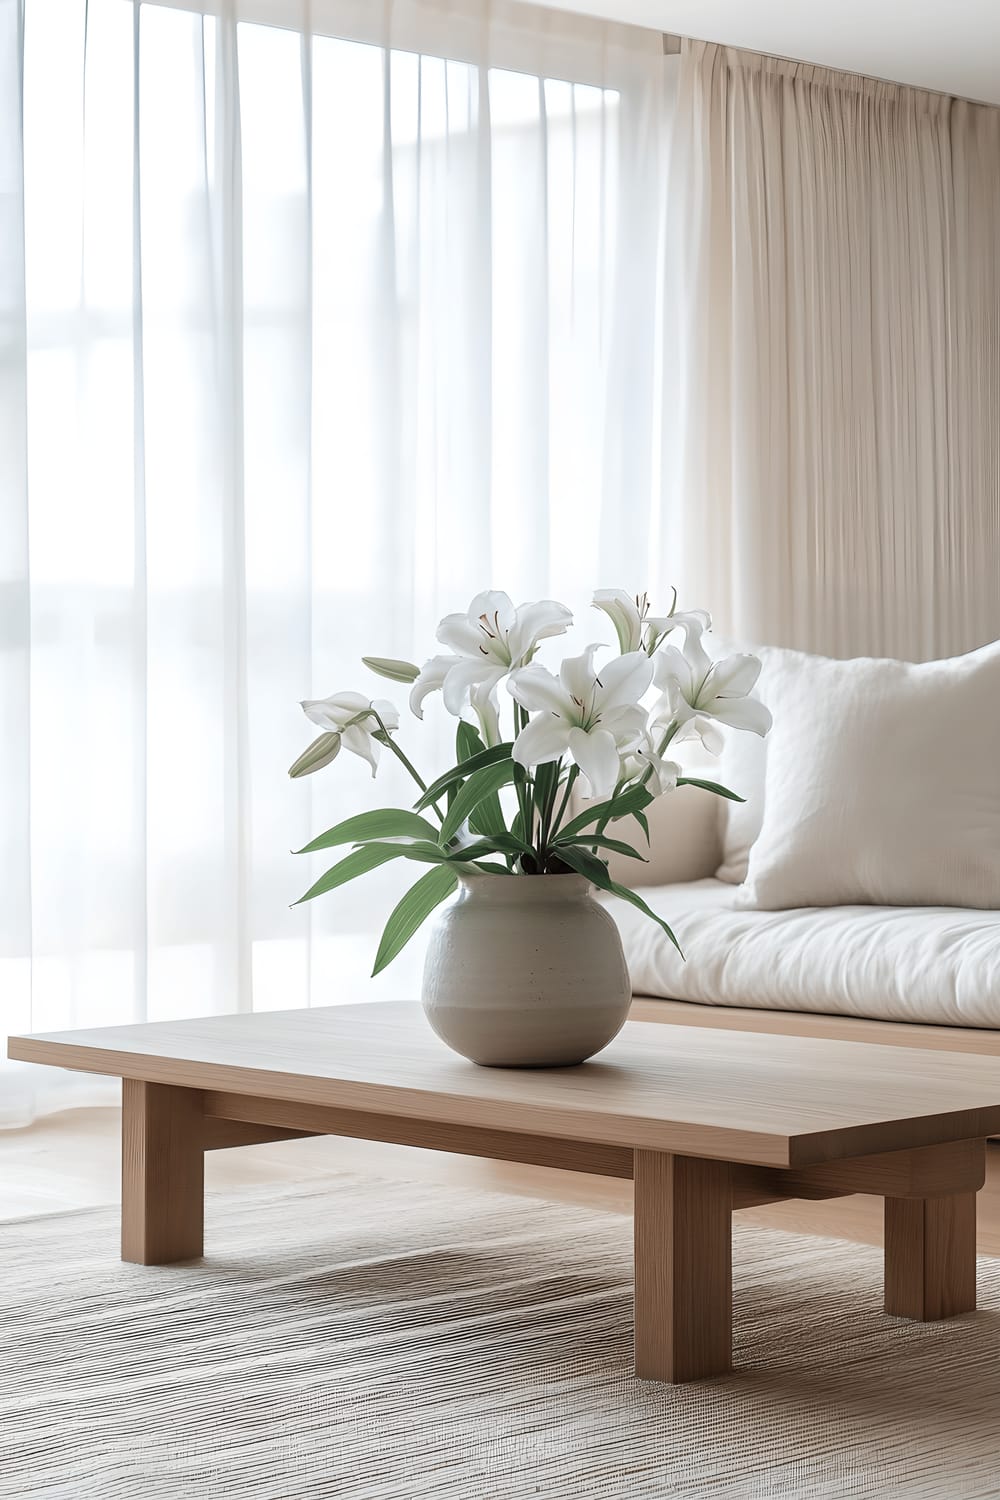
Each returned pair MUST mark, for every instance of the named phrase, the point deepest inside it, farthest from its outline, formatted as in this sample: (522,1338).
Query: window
(324,333)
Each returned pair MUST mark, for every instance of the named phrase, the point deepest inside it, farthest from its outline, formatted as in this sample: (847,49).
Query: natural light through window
(320,340)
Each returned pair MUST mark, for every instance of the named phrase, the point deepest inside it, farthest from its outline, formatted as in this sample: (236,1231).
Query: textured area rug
(380,1341)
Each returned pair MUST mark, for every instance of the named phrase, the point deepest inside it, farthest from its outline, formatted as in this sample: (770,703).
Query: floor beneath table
(71,1160)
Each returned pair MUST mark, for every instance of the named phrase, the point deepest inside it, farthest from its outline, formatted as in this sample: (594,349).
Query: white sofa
(919,976)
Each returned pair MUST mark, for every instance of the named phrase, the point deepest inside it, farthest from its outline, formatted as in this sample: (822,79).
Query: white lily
(352,716)
(490,640)
(693,688)
(706,730)
(483,701)
(593,716)
(644,758)
(636,628)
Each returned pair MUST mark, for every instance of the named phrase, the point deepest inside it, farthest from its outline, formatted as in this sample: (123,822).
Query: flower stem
(404,759)
(550,794)
(675,725)
(574,772)
(521,783)
(544,817)
(602,825)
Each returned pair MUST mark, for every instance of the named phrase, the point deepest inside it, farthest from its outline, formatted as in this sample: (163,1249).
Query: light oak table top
(779,1101)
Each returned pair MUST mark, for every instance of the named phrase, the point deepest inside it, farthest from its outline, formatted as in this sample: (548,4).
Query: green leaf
(710,786)
(596,871)
(388,666)
(626,804)
(624,894)
(504,843)
(546,778)
(418,903)
(319,754)
(386,823)
(488,817)
(546,783)
(585,863)
(467,741)
(617,846)
(489,757)
(467,854)
(643,822)
(369,857)
(357,863)
(481,784)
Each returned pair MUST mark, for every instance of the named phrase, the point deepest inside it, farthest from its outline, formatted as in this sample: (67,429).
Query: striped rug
(379,1341)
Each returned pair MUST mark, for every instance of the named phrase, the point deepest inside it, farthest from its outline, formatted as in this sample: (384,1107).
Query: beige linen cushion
(743,772)
(882,784)
(683,840)
(742,767)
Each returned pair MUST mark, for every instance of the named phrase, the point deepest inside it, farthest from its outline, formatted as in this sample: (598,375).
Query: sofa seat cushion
(888,963)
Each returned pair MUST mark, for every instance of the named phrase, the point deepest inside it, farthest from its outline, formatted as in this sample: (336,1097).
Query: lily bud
(319,754)
(396,671)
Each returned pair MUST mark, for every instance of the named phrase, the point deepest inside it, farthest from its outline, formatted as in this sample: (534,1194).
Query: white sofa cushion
(742,768)
(882,784)
(932,964)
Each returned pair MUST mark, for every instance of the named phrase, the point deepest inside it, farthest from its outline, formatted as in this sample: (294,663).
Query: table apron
(922,1172)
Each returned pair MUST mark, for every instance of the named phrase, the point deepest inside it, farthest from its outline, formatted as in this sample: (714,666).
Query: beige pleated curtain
(833,312)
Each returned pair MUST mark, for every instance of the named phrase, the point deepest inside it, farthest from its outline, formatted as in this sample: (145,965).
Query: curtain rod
(672,45)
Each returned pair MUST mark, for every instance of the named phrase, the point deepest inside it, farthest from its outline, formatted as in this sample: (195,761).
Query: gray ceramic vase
(525,971)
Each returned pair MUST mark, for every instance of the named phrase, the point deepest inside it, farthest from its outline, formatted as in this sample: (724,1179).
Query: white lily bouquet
(606,724)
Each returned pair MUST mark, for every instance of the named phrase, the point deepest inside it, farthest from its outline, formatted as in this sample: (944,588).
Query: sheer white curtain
(836,286)
(315,321)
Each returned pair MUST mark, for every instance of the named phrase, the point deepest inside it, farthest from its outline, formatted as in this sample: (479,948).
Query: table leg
(163,1173)
(683,1267)
(930,1256)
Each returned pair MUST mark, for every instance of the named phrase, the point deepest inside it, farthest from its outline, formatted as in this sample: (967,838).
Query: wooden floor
(71,1160)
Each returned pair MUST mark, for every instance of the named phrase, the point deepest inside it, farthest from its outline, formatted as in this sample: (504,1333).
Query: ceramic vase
(525,971)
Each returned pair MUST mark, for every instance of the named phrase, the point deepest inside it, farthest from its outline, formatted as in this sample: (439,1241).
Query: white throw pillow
(741,768)
(882,784)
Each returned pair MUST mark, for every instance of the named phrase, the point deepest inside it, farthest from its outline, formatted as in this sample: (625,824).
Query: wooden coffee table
(705,1121)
